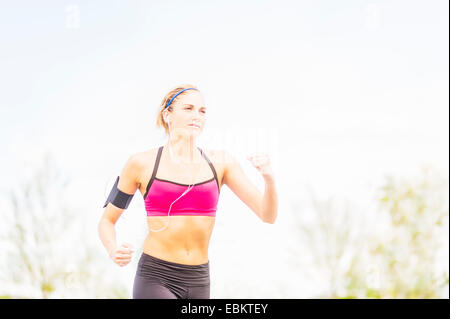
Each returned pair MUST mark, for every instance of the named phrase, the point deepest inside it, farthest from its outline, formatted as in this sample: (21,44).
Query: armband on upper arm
(118,198)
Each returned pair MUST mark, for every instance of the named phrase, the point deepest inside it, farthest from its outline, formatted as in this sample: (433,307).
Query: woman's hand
(122,255)
(262,164)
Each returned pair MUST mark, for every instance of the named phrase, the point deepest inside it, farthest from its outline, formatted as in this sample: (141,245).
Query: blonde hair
(159,118)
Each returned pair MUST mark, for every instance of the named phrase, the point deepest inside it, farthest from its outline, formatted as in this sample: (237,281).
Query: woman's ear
(164,116)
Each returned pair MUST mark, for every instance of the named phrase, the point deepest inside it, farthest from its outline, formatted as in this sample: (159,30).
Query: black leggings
(160,279)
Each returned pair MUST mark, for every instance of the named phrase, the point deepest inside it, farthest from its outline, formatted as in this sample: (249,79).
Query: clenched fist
(122,255)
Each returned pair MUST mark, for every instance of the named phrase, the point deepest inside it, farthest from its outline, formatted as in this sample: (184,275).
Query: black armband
(118,198)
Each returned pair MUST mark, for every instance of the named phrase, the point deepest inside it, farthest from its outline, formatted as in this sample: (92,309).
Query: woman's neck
(182,150)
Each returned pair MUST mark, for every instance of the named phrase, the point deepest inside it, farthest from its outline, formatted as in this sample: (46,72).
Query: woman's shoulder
(142,158)
(218,156)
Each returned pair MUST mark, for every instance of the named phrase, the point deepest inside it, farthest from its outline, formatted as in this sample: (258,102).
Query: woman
(180,184)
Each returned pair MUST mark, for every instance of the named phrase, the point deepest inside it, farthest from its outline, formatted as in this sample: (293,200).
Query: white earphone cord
(168,214)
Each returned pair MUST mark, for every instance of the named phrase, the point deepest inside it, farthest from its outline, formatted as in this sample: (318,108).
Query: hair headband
(177,95)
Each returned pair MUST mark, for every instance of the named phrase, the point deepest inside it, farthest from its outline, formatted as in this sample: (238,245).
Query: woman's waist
(178,242)
(169,270)
(183,253)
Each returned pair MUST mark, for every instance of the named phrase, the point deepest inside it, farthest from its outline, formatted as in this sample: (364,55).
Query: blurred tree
(394,254)
(407,254)
(46,246)
(335,240)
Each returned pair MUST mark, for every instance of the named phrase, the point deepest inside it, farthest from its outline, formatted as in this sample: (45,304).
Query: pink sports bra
(201,200)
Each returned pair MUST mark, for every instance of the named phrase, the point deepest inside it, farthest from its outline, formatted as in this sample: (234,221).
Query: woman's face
(188,115)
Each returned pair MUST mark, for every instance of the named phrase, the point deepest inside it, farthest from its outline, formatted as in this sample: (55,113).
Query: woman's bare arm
(128,183)
(263,205)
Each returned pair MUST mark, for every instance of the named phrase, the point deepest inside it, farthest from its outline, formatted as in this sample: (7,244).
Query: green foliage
(373,293)
(395,257)
(418,210)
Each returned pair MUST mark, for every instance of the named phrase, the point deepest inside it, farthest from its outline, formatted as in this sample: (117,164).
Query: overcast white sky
(339,93)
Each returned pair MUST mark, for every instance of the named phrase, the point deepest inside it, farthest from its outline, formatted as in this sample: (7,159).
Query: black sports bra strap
(158,158)
(155,169)
(210,165)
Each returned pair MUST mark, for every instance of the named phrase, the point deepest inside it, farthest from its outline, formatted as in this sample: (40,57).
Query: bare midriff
(185,240)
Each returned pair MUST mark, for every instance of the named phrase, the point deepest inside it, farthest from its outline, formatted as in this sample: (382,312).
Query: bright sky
(339,94)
